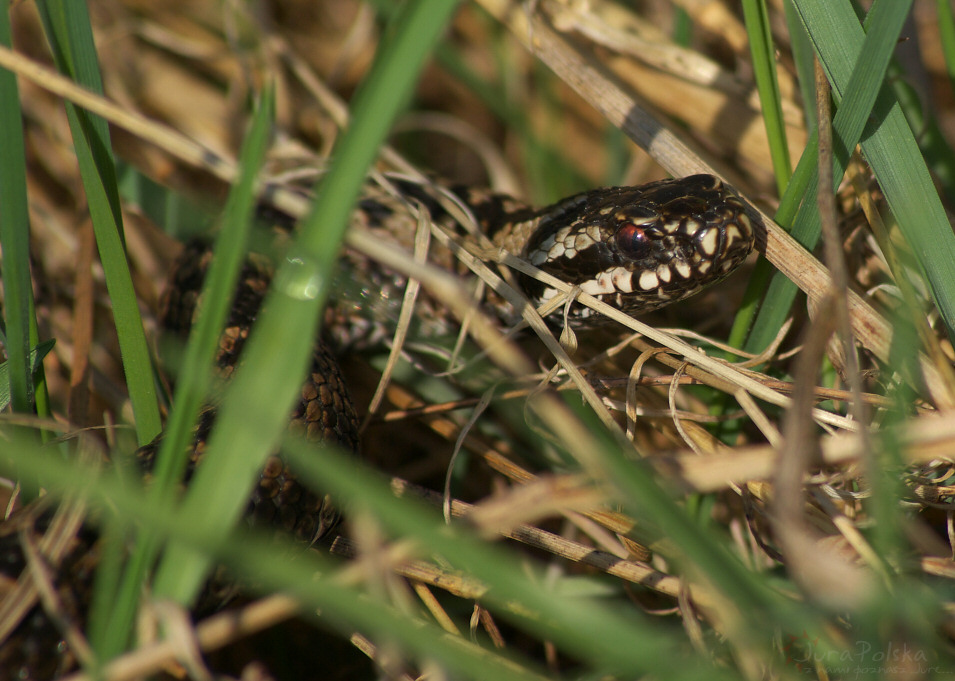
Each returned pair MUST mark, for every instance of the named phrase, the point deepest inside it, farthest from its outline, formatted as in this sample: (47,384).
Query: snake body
(636,248)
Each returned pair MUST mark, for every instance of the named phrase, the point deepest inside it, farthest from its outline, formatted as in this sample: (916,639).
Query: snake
(635,248)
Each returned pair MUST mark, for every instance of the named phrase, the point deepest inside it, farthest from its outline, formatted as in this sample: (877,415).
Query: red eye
(632,240)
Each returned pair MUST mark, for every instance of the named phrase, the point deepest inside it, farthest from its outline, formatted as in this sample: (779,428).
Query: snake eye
(632,240)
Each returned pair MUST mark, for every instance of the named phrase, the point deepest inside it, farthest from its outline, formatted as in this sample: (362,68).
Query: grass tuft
(618,527)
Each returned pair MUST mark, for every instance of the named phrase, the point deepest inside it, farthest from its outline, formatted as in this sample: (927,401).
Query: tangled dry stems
(687,456)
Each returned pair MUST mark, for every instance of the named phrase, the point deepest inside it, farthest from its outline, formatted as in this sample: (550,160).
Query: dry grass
(763,453)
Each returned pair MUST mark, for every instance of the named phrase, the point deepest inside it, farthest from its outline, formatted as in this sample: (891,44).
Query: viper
(636,248)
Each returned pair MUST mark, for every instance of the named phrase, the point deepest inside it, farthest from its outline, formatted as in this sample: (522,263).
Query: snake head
(641,248)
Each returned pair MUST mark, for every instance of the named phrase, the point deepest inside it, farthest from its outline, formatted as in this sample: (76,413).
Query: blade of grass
(255,407)
(803,58)
(21,392)
(68,30)
(20,327)
(497,96)
(604,637)
(36,361)
(252,556)
(15,238)
(615,642)
(936,149)
(111,627)
(896,161)
(946,34)
(862,92)
(764,69)
(795,187)
(893,154)
(179,216)
(195,377)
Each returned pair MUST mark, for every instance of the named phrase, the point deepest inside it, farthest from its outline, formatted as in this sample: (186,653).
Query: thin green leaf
(68,30)
(114,623)
(938,153)
(20,323)
(891,150)
(254,557)
(861,92)
(255,407)
(803,58)
(36,361)
(614,641)
(764,67)
(946,32)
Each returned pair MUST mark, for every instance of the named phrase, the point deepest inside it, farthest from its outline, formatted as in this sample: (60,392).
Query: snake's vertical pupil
(632,240)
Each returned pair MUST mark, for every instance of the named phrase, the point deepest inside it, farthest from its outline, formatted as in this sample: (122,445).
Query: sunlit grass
(742,619)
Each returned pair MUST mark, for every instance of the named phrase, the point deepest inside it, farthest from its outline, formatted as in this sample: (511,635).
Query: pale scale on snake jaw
(636,248)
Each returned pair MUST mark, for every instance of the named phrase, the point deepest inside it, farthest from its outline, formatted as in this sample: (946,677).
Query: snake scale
(636,248)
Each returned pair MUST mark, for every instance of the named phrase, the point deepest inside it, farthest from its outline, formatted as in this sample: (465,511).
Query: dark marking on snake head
(674,237)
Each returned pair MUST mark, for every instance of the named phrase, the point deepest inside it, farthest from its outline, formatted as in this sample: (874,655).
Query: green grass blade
(68,30)
(804,59)
(35,362)
(764,67)
(20,324)
(613,641)
(179,216)
(891,150)
(256,406)
(946,32)
(254,558)
(796,186)
(195,375)
(553,176)
(112,626)
(861,92)
(607,638)
(936,149)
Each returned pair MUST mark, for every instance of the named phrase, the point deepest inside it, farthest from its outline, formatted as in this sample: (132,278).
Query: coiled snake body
(636,248)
